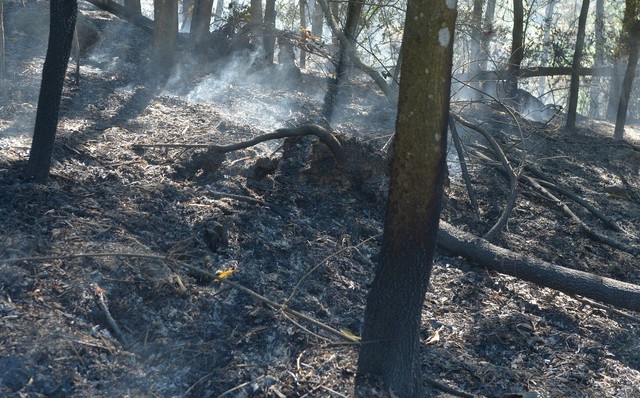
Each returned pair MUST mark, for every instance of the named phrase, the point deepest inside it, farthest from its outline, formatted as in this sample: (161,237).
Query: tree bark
(316,21)
(269,31)
(546,41)
(2,63)
(61,27)
(303,24)
(517,49)
(577,59)
(354,9)
(200,21)
(124,13)
(133,6)
(594,109)
(487,32)
(390,338)
(528,268)
(165,35)
(631,33)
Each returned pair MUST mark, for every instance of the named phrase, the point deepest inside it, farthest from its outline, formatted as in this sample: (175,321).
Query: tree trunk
(390,348)
(256,21)
(219,10)
(548,23)
(61,27)
(316,21)
(200,21)
(269,31)
(487,32)
(133,6)
(566,280)
(474,49)
(594,109)
(303,24)
(627,85)
(577,58)
(2,64)
(165,35)
(517,50)
(354,9)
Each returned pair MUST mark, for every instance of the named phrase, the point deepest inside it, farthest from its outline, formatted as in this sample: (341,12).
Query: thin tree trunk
(548,23)
(487,33)
(219,10)
(390,349)
(474,48)
(627,85)
(269,31)
(517,50)
(316,22)
(61,27)
(599,59)
(303,25)
(165,35)
(2,63)
(577,58)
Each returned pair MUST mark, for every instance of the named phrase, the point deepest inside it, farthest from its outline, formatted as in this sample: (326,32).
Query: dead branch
(124,13)
(102,302)
(463,167)
(513,179)
(570,281)
(590,231)
(322,133)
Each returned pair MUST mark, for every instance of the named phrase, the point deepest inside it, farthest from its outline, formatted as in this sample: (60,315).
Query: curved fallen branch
(322,133)
(513,178)
(570,281)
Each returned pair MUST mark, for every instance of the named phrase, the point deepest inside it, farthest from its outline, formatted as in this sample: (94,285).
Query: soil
(99,296)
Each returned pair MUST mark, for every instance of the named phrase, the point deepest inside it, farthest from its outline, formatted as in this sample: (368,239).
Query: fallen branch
(322,133)
(528,268)
(513,178)
(102,302)
(249,199)
(124,13)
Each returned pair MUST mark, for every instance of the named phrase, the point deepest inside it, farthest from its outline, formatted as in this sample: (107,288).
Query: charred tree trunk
(269,31)
(354,9)
(2,64)
(316,21)
(517,50)
(631,37)
(61,27)
(165,35)
(134,6)
(390,348)
(200,21)
(303,24)
(594,109)
(577,59)
(570,281)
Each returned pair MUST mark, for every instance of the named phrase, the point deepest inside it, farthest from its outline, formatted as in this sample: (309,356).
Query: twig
(445,388)
(249,199)
(99,292)
(241,386)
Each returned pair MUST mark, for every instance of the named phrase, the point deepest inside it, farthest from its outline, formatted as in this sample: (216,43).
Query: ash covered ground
(116,225)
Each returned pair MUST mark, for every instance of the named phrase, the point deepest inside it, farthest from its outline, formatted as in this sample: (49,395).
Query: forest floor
(115,306)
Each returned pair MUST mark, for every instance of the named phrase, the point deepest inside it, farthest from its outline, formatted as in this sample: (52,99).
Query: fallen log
(479,251)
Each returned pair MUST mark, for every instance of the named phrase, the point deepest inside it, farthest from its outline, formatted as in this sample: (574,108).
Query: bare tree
(269,40)
(390,338)
(631,32)
(63,14)
(517,49)
(599,59)
(577,59)
(2,70)
(546,41)
(303,25)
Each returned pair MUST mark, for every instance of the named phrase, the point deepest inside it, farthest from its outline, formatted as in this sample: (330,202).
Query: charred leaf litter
(182,335)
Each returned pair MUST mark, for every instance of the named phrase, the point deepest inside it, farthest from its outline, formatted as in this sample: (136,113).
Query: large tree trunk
(627,85)
(165,35)
(390,348)
(200,21)
(61,27)
(577,59)
(133,6)
(570,281)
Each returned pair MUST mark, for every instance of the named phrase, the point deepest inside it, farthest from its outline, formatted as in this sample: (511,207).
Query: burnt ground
(115,225)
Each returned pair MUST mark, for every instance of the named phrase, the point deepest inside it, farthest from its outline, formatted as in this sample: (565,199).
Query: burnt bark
(390,338)
(577,58)
(269,43)
(2,70)
(517,50)
(354,9)
(627,85)
(165,36)
(528,268)
(200,21)
(63,14)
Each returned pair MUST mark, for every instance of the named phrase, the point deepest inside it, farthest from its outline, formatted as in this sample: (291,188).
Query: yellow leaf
(226,273)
